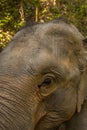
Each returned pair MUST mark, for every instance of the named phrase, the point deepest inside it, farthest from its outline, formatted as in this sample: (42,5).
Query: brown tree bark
(21,11)
(37,14)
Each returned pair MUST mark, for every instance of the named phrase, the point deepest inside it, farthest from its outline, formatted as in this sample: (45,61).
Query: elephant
(43,78)
(79,120)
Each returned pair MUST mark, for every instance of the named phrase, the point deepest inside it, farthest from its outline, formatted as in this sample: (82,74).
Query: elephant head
(41,70)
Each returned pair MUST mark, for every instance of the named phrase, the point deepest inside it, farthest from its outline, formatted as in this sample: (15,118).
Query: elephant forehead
(47,60)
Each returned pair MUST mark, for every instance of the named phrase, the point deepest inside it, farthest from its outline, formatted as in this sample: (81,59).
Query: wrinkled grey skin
(79,120)
(41,77)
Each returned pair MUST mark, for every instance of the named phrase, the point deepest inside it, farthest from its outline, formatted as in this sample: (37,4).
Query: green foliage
(77,13)
(10,20)
(15,13)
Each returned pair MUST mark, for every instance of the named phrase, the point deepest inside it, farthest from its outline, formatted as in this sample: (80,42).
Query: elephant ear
(82,90)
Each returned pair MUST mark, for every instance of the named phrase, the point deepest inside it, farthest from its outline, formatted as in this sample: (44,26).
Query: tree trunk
(37,14)
(21,11)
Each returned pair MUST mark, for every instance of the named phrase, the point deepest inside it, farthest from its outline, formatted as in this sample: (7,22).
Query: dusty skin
(43,79)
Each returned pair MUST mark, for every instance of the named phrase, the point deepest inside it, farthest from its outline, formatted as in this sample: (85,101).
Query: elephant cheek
(61,106)
(68,107)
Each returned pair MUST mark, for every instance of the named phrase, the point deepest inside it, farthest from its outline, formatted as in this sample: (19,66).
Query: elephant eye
(46,82)
(47,86)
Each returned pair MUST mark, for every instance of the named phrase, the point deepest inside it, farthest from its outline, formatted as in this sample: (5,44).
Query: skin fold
(43,78)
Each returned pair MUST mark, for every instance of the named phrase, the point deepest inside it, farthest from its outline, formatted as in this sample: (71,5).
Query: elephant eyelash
(60,75)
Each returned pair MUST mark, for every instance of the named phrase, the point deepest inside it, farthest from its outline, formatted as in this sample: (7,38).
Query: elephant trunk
(15,112)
